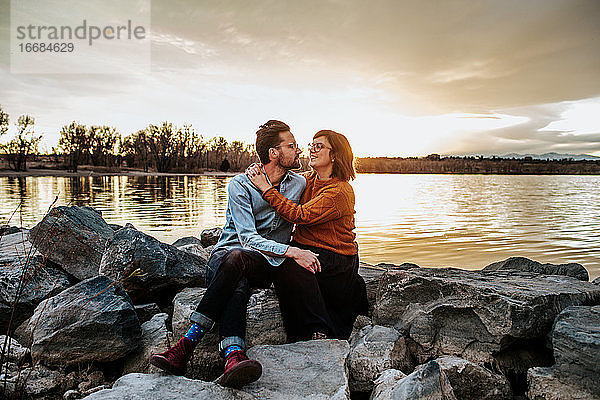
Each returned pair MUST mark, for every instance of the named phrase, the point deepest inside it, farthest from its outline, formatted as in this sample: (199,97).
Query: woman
(320,303)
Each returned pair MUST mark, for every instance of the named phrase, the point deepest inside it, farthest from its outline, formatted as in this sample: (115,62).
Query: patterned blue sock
(195,332)
(231,349)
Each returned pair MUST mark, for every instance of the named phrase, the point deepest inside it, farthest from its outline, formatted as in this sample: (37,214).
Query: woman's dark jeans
(327,302)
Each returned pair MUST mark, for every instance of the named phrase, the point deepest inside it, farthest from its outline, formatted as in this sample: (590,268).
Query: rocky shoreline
(84,303)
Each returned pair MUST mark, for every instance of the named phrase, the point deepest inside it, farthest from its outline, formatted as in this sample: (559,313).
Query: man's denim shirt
(251,223)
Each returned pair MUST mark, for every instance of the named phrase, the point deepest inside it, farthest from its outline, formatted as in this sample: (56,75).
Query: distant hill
(552,156)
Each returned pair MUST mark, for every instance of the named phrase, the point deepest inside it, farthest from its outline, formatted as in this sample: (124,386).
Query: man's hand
(305,258)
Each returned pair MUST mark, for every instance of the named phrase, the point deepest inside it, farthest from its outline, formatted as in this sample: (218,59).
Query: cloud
(399,66)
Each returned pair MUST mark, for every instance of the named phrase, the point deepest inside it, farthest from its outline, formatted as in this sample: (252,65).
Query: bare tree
(103,140)
(162,145)
(23,145)
(74,142)
(3,122)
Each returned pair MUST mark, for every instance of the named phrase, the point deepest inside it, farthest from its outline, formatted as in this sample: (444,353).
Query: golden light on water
(466,221)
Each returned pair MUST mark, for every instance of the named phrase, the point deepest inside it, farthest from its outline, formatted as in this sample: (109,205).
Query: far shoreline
(83,172)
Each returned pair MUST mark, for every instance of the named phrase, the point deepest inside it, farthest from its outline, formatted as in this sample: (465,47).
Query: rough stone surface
(475,315)
(427,382)
(596,281)
(576,346)
(93,379)
(8,230)
(197,250)
(90,321)
(146,311)
(544,385)
(263,319)
(35,381)
(161,266)
(385,383)
(71,394)
(371,275)
(12,350)
(15,246)
(115,227)
(372,351)
(472,381)
(74,238)
(166,387)
(304,370)
(526,265)
(263,326)
(210,237)
(155,338)
(184,241)
(40,282)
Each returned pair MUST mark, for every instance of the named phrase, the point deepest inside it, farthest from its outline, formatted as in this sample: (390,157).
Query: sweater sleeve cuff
(265,193)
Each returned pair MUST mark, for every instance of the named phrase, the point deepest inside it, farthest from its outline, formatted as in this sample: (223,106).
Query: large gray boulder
(477,316)
(210,237)
(8,229)
(372,273)
(197,250)
(427,382)
(30,382)
(576,346)
(93,320)
(155,338)
(74,238)
(187,240)
(12,350)
(16,247)
(544,384)
(193,245)
(28,281)
(166,387)
(312,370)
(526,265)
(147,266)
(472,381)
(146,311)
(373,350)
(263,326)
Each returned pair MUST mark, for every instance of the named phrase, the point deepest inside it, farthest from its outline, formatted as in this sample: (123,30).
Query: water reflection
(432,220)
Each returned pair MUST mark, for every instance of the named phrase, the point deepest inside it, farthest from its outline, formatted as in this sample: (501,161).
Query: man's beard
(295,164)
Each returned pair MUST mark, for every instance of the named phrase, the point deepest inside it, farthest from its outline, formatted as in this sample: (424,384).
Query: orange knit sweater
(325,215)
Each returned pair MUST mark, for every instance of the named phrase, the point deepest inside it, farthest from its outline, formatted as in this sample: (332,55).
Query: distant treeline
(161,148)
(168,148)
(434,164)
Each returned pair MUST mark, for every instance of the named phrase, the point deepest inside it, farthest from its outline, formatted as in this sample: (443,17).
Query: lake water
(466,221)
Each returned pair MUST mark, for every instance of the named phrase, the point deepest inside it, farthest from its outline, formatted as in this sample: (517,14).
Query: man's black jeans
(226,298)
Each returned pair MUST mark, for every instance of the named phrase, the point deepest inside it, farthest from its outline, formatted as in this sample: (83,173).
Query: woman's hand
(305,258)
(257,176)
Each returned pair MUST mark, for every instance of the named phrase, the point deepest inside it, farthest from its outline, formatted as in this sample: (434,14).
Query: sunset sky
(399,78)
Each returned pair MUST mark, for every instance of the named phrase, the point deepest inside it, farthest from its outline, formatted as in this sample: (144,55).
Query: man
(252,245)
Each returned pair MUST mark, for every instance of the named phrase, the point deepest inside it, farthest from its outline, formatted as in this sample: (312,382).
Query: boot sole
(164,364)
(245,372)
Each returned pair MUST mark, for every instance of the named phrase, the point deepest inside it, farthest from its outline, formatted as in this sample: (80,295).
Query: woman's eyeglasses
(316,147)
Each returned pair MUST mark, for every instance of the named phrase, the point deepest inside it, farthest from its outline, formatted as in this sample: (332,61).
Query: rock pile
(90,319)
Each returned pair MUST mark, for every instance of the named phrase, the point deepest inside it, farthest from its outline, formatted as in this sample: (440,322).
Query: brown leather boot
(239,370)
(175,359)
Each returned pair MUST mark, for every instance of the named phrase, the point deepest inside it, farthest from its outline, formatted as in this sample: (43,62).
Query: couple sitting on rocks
(315,276)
